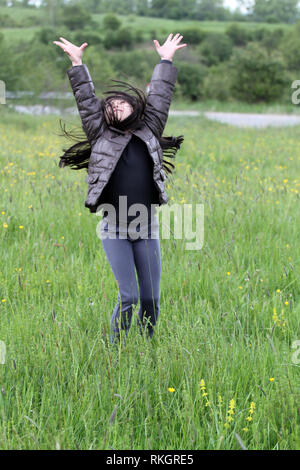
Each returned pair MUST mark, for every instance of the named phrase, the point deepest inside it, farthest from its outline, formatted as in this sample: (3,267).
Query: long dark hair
(78,155)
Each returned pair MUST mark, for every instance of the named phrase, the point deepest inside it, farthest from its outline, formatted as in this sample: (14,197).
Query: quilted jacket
(108,144)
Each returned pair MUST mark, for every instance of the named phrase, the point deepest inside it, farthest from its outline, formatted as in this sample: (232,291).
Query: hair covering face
(137,102)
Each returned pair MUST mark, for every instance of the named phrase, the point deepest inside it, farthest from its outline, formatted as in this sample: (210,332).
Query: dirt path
(244,119)
(235,119)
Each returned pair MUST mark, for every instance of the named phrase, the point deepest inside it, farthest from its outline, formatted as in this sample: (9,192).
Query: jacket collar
(119,131)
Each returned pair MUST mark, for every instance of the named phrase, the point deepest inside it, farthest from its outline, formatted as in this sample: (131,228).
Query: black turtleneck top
(132,177)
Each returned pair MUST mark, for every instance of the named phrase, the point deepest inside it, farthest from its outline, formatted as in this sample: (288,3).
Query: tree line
(250,65)
(270,11)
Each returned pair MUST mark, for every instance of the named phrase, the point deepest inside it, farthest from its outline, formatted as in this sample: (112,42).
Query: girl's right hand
(74,52)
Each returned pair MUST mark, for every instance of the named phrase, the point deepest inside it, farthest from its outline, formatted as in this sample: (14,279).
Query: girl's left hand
(168,49)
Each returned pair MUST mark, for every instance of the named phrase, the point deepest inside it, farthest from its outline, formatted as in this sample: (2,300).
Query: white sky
(232,4)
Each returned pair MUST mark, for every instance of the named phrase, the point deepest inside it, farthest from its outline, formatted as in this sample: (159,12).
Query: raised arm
(88,104)
(162,85)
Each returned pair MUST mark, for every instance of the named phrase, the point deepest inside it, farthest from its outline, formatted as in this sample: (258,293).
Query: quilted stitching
(108,147)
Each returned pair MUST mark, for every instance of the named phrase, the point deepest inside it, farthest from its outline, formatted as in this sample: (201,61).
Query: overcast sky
(232,4)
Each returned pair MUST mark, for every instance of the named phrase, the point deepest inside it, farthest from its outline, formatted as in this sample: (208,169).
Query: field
(222,367)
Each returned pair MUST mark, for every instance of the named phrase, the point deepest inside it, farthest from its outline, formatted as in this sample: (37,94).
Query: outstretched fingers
(60,44)
(175,37)
(171,43)
(178,39)
(65,40)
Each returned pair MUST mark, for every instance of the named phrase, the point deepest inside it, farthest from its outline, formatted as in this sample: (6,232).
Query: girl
(135,175)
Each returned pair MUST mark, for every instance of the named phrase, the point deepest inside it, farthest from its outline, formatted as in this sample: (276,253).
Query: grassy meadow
(221,367)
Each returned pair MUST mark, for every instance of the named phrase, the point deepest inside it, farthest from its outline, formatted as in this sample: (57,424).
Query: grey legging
(124,255)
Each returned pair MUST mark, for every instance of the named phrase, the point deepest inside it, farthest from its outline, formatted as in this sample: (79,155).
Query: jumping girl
(123,155)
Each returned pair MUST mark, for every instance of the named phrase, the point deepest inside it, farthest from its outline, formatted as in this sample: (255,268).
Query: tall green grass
(217,338)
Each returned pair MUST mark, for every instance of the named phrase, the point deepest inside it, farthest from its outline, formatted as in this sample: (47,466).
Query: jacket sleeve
(88,104)
(160,95)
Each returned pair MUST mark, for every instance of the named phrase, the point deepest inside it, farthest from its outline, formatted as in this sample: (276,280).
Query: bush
(6,21)
(91,37)
(75,17)
(139,36)
(237,34)
(190,79)
(137,64)
(29,21)
(193,35)
(217,47)
(122,38)
(111,22)
(257,76)
(216,84)
(45,35)
(11,70)
(153,34)
(290,48)
(258,34)
(272,39)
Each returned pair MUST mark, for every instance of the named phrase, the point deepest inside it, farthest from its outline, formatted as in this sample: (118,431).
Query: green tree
(76,17)
(45,35)
(190,79)
(216,84)
(7,21)
(257,76)
(136,64)
(211,10)
(166,9)
(216,47)
(272,39)
(193,35)
(290,47)
(142,8)
(53,11)
(238,34)
(122,38)
(111,22)
(273,11)
(94,6)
